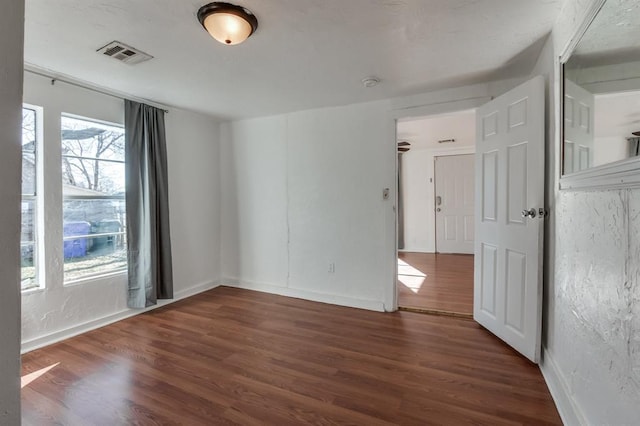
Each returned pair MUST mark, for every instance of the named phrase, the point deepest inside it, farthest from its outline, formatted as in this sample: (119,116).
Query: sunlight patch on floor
(412,283)
(405,269)
(28,378)
(410,277)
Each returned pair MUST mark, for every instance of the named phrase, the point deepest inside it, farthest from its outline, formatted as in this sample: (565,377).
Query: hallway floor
(436,282)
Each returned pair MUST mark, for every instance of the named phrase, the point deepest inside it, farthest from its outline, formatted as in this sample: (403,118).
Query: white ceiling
(305,53)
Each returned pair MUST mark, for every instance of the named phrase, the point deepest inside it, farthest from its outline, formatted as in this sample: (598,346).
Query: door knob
(529,213)
(438,209)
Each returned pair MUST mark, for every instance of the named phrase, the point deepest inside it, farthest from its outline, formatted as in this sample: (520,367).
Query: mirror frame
(619,174)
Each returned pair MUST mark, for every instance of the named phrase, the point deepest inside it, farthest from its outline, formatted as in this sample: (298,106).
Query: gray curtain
(400,205)
(634,146)
(148,239)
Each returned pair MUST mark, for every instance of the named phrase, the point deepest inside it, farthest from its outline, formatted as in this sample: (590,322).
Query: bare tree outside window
(86,153)
(94,189)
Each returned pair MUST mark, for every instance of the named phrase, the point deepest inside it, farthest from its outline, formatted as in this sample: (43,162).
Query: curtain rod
(86,86)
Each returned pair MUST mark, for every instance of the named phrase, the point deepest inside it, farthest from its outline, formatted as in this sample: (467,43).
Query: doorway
(509,191)
(435,215)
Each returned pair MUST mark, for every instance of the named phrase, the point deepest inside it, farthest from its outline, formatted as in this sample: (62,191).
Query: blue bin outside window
(78,246)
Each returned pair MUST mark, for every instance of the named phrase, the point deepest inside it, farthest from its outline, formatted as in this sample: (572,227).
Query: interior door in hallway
(510,217)
(454,180)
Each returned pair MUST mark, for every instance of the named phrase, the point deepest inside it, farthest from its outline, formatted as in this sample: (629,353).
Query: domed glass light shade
(227,23)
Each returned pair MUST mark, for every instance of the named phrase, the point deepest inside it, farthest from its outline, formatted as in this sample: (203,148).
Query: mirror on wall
(602,90)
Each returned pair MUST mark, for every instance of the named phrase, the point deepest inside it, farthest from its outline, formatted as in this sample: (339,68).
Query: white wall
(193,155)
(254,201)
(290,185)
(418,186)
(418,170)
(58,311)
(303,191)
(607,149)
(592,279)
(337,169)
(11,37)
(615,118)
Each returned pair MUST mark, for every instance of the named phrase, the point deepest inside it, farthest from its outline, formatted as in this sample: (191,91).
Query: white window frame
(37,199)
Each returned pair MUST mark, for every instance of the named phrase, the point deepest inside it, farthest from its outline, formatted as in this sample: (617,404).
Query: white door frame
(391,290)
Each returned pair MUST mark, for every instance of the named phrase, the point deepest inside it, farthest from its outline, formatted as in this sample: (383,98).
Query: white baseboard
(416,250)
(57,336)
(371,305)
(569,410)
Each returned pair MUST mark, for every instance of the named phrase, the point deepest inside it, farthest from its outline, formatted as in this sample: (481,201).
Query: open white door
(578,128)
(508,244)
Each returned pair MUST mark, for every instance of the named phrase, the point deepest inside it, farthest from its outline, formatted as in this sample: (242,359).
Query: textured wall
(570,18)
(592,264)
(595,341)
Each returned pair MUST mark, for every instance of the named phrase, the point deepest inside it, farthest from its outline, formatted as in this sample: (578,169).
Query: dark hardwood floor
(436,282)
(232,356)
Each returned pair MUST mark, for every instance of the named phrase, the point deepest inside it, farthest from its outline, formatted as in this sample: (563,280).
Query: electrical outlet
(332,268)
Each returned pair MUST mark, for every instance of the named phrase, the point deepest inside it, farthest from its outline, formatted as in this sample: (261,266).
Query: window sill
(95,278)
(622,174)
(32,290)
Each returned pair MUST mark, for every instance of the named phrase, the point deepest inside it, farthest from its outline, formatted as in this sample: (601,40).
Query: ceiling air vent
(124,53)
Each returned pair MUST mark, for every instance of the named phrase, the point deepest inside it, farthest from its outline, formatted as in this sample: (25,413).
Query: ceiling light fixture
(227,23)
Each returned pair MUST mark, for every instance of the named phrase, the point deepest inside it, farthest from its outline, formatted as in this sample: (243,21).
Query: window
(28,249)
(93,187)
